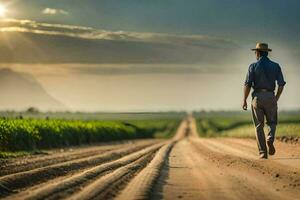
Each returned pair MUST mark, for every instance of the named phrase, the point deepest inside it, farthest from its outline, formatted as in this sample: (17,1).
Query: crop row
(29,134)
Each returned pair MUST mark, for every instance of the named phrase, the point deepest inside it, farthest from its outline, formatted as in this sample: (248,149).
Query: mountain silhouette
(18,91)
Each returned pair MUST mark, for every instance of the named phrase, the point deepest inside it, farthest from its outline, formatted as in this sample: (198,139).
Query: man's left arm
(281,83)
(246,94)
(279,92)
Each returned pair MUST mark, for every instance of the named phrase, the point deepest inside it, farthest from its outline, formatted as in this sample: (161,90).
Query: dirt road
(186,167)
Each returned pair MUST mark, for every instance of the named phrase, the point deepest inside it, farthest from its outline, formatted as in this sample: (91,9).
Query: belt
(263,90)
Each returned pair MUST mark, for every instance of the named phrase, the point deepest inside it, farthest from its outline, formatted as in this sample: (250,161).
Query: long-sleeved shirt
(263,74)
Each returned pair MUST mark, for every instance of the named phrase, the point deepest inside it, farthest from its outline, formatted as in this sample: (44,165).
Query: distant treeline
(33,113)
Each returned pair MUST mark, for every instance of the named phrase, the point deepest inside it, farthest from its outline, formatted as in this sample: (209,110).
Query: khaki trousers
(264,106)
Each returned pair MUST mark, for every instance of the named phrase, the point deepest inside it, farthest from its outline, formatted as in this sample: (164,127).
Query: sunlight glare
(2,10)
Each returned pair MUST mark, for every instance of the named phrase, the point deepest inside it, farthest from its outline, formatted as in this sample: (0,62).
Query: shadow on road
(157,192)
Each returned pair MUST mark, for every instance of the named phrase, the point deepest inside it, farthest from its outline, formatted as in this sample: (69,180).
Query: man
(262,76)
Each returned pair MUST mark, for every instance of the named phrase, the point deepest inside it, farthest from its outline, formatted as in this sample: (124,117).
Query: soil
(184,167)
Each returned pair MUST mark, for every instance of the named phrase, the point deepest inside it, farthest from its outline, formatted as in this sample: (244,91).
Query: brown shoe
(271,148)
(263,156)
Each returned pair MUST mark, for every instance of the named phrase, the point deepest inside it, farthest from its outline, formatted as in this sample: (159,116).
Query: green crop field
(285,129)
(33,134)
(240,124)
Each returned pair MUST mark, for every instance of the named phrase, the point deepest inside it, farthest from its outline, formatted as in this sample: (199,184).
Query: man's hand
(279,91)
(244,105)
(246,94)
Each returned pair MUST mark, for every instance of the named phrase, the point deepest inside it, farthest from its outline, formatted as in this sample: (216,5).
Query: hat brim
(266,50)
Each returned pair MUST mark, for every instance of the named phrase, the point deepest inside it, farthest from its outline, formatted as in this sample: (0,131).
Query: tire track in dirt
(79,179)
(87,176)
(32,162)
(140,187)
(142,184)
(109,185)
(29,178)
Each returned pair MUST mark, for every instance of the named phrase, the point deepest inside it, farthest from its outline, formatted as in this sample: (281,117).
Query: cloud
(53,11)
(92,33)
(60,43)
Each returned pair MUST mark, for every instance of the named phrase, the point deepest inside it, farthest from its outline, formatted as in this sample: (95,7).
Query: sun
(2,10)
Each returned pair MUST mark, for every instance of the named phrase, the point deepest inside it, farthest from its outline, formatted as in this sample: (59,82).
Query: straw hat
(261,47)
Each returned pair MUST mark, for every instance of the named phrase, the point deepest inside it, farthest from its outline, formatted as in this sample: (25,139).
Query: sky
(125,55)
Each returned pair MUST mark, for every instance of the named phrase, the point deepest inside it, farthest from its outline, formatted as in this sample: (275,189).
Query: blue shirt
(263,75)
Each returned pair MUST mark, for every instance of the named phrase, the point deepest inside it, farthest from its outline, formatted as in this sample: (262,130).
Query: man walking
(262,76)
